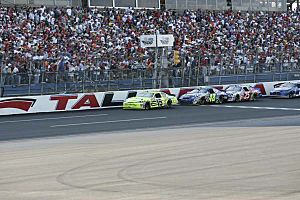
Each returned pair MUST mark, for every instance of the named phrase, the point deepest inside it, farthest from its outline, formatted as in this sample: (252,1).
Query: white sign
(165,40)
(162,41)
(97,100)
(148,41)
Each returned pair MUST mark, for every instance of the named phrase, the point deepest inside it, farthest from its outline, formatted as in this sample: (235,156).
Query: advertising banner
(63,102)
(97,100)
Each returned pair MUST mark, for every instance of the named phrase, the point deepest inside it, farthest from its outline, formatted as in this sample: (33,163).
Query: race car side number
(159,102)
(212,98)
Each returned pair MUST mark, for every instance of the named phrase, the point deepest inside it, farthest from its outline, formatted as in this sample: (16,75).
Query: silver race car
(203,95)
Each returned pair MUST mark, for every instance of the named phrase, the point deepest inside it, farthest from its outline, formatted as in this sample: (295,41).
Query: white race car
(238,93)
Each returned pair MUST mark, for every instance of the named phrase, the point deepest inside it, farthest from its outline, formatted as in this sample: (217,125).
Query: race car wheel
(291,95)
(253,97)
(169,104)
(221,100)
(201,101)
(195,102)
(237,98)
(147,106)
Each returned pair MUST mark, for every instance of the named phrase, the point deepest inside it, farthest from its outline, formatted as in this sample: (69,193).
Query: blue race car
(203,95)
(289,90)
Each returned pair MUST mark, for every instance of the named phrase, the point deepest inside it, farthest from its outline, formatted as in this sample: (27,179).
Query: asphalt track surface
(286,111)
(236,151)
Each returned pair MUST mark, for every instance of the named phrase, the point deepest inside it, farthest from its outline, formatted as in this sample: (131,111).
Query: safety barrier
(87,101)
(41,82)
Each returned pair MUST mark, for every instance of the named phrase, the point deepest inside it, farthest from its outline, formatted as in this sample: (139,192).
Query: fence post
(65,80)
(182,77)
(108,83)
(140,78)
(132,71)
(2,81)
(190,75)
(83,81)
(2,85)
(144,76)
(29,82)
(279,76)
(42,83)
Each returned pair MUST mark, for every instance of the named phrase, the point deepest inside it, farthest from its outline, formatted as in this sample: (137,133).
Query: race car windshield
(233,88)
(146,95)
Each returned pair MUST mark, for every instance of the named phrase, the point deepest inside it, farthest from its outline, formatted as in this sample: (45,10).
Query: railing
(44,82)
(237,5)
(40,2)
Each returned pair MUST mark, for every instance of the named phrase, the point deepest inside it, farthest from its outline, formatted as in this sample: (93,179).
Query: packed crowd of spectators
(37,40)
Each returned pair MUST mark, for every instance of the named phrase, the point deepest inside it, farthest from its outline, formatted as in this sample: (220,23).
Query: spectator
(37,74)
(55,36)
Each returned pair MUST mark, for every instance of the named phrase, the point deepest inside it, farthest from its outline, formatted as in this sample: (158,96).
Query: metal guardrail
(43,82)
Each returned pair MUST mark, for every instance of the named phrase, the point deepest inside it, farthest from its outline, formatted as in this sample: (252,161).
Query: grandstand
(60,48)
(238,5)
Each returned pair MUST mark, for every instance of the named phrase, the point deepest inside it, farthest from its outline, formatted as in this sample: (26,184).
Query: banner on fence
(97,100)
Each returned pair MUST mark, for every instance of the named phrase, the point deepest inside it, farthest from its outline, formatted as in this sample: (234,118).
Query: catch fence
(39,82)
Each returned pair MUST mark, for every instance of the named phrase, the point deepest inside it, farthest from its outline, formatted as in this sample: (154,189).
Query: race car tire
(221,100)
(237,98)
(147,106)
(201,101)
(195,102)
(291,95)
(253,97)
(169,104)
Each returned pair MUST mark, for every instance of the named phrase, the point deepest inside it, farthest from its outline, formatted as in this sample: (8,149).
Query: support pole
(155,63)
(2,81)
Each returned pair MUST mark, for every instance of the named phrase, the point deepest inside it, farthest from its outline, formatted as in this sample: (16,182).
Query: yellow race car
(149,100)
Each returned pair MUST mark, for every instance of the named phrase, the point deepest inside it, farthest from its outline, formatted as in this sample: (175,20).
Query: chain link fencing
(40,82)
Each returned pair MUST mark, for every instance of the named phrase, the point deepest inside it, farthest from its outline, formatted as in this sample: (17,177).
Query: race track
(111,120)
(236,151)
